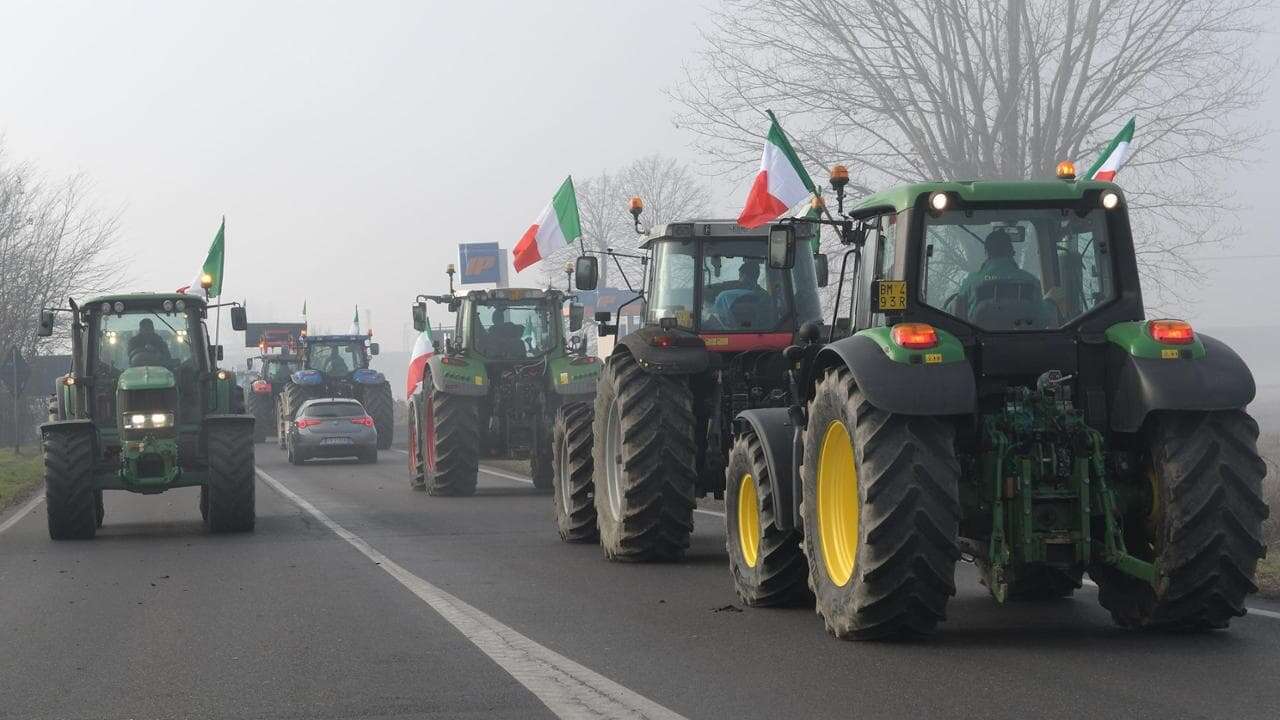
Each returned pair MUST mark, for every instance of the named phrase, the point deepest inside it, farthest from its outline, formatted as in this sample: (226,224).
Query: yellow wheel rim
(838,504)
(748,520)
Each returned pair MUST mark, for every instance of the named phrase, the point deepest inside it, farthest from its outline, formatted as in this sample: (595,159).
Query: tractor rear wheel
(70,498)
(1203,530)
(541,457)
(417,461)
(451,432)
(881,514)
(645,461)
(767,564)
(378,403)
(261,408)
(573,466)
(231,479)
(291,399)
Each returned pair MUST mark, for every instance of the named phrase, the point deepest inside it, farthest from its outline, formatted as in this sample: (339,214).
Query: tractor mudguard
(574,377)
(223,419)
(367,376)
(777,435)
(308,377)
(461,376)
(901,385)
(60,425)
(1217,380)
(686,355)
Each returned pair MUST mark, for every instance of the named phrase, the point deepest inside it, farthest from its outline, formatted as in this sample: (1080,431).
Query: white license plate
(335,441)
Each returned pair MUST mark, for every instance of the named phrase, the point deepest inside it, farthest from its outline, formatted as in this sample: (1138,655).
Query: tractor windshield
(279,370)
(729,281)
(1017,269)
(514,330)
(336,358)
(142,338)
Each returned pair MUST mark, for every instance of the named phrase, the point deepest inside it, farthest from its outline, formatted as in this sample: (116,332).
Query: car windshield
(739,292)
(334,410)
(336,358)
(513,330)
(1017,269)
(137,339)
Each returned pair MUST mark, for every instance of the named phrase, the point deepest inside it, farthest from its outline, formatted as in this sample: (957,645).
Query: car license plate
(335,441)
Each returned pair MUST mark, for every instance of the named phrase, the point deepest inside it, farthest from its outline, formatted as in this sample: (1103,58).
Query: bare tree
(902,90)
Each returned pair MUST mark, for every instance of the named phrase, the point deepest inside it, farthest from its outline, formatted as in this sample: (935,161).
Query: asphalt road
(359,598)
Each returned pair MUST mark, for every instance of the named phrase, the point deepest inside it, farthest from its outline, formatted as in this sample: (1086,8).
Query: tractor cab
(336,357)
(511,323)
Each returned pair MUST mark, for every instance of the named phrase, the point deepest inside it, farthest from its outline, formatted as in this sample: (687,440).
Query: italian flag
(557,226)
(423,349)
(781,183)
(1117,152)
(355,322)
(211,269)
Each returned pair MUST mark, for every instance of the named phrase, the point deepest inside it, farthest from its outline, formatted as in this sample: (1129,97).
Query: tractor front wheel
(766,562)
(541,457)
(416,457)
(70,498)
(231,480)
(1203,530)
(645,461)
(881,514)
(573,465)
(451,438)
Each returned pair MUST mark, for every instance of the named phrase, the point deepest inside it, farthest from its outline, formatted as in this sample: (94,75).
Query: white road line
(17,516)
(568,689)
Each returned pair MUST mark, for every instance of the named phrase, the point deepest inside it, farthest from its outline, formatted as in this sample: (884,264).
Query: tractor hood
(145,378)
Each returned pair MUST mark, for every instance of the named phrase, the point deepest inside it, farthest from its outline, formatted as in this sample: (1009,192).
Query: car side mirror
(820,269)
(576,312)
(782,247)
(420,317)
(373,348)
(239,321)
(586,272)
(46,324)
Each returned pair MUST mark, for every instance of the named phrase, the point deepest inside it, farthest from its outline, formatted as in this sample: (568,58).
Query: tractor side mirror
(586,272)
(575,317)
(215,353)
(373,348)
(420,317)
(46,324)
(820,269)
(454,305)
(782,247)
(239,321)
(603,328)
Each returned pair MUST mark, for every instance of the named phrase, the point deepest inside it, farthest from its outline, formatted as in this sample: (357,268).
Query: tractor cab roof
(333,339)
(901,197)
(512,294)
(146,299)
(711,229)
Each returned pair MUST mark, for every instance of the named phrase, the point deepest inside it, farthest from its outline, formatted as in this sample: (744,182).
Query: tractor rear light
(304,423)
(585,360)
(365,421)
(670,341)
(261,387)
(1171,332)
(914,336)
(453,360)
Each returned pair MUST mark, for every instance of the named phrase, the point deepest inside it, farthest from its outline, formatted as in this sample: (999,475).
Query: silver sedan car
(332,428)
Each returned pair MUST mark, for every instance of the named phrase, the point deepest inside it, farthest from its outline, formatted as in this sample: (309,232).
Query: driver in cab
(147,347)
(1001,279)
(737,305)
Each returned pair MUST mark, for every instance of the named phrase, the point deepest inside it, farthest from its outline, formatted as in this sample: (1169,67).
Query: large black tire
(262,408)
(541,457)
(70,498)
(100,507)
(378,403)
(231,479)
(645,462)
(573,466)
(902,479)
(766,563)
(415,456)
(291,399)
(236,402)
(1204,530)
(452,433)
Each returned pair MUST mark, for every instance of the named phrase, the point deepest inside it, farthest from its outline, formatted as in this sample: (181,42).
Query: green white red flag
(781,183)
(211,270)
(557,226)
(1116,154)
(423,349)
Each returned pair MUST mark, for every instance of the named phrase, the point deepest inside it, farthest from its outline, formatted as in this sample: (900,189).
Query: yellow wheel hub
(748,520)
(838,504)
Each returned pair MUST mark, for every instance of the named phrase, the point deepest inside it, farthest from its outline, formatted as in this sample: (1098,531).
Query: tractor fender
(573,378)
(1218,380)
(469,379)
(64,426)
(906,388)
(307,376)
(688,359)
(224,419)
(367,376)
(777,435)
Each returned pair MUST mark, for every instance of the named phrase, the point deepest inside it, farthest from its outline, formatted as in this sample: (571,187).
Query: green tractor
(145,409)
(494,389)
(1004,400)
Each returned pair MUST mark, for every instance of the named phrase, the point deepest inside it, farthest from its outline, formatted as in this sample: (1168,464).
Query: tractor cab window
(1017,269)
(142,338)
(513,331)
(279,370)
(740,293)
(674,273)
(337,358)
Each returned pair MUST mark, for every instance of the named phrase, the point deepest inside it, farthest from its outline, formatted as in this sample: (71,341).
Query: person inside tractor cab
(740,304)
(329,361)
(502,338)
(147,347)
(1001,295)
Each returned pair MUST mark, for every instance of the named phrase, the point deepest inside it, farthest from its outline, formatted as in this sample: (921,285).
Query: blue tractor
(338,366)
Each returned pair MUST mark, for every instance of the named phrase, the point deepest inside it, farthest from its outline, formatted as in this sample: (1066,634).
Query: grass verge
(19,475)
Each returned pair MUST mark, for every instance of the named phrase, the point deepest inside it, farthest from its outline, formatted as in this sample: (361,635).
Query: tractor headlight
(180,305)
(939,202)
(168,306)
(1110,199)
(159,419)
(118,307)
(137,421)
(145,421)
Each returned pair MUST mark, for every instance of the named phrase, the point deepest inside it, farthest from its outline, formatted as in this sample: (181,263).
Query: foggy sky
(351,146)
